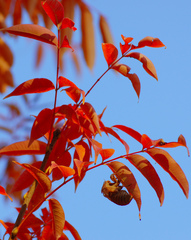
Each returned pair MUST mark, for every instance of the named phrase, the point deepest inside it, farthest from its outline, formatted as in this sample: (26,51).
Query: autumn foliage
(74,127)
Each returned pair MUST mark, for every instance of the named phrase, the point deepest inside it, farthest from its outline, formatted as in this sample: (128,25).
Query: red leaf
(97,148)
(110,53)
(148,171)
(73,231)
(25,179)
(150,42)
(68,23)
(73,93)
(55,10)
(164,159)
(23,148)
(136,135)
(147,64)
(3,192)
(125,47)
(58,217)
(64,82)
(39,175)
(66,171)
(36,85)
(146,141)
(113,133)
(90,112)
(65,43)
(126,177)
(42,124)
(106,153)
(33,31)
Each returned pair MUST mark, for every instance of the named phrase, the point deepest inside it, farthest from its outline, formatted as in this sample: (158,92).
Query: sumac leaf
(66,171)
(105,31)
(92,115)
(33,31)
(39,175)
(23,148)
(147,64)
(3,192)
(150,42)
(58,217)
(55,10)
(88,40)
(110,53)
(36,85)
(136,135)
(148,171)
(42,124)
(73,231)
(164,159)
(126,177)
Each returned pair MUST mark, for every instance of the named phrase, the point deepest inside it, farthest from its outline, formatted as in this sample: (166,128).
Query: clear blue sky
(163,111)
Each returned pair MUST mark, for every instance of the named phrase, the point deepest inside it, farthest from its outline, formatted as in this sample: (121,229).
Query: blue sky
(163,111)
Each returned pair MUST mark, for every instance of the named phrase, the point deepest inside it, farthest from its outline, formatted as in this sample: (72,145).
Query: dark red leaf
(23,148)
(42,124)
(164,159)
(36,85)
(33,31)
(110,53)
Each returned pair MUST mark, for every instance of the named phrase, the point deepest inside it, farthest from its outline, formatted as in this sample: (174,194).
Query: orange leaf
(126,177)
(148,171)
(150,42)
(66,171)
(164,159)
(92,115)
(125,47)
(23,148)
(58,217)
(39,175)
(73,231)
(42,124)
(73,93)
(97,148)
(3,192)
(106,153)
(105,31)
(36,85)
(122,68)
(110,53)
(136,135)
(55,10)
(65,43)
(135,82)
(88,40)
(147,64)
(33,31)
(25,179)
(182,141)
